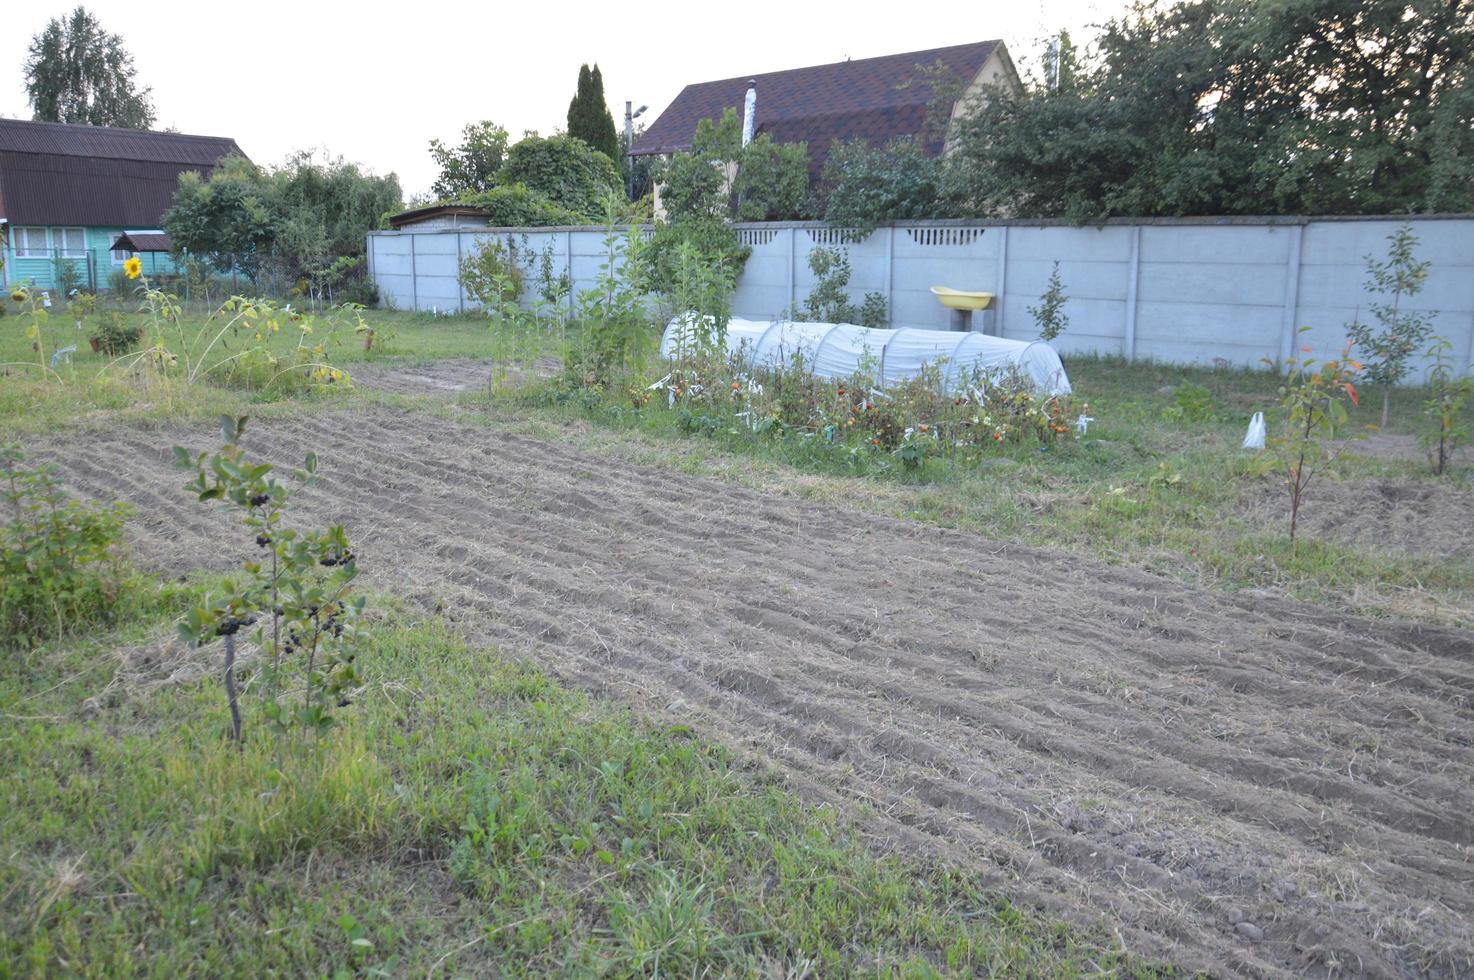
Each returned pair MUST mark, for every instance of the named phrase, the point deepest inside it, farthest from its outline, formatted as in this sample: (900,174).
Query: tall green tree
(230,218)
(297,219)
(1239,107)
(471,167)
(588,114)
(76,72)
(338,199)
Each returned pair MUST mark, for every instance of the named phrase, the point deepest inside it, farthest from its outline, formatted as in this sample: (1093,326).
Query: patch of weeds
(62,568)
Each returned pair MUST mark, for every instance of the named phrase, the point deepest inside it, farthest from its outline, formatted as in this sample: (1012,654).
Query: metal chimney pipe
(749,111)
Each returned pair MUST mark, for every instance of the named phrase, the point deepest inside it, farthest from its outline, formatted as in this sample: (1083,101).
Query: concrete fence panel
(1183,291)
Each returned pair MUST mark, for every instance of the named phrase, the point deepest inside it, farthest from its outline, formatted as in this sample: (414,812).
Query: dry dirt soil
(446,378)
(1244,786)
(1416,517)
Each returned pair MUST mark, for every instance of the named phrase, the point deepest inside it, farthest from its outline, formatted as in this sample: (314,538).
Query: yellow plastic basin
(957,299)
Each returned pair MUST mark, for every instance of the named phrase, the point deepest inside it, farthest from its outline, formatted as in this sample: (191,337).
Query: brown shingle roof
(844,101)
(59,174)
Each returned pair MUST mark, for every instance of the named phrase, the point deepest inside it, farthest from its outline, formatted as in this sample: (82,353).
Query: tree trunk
(230,692)
(1386,402)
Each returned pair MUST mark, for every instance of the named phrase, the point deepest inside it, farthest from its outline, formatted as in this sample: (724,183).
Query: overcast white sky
(376,81)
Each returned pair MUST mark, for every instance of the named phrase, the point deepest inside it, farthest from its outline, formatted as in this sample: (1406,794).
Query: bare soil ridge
(1241,785)
(447,378)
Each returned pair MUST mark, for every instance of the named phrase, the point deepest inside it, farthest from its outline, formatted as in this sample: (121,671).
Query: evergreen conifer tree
(588,114)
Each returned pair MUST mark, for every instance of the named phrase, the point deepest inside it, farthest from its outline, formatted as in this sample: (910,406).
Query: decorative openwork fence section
(1172,290)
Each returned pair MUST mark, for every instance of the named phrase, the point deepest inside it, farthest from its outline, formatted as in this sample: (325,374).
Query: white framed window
(31,243)
(120,255)
(71,242)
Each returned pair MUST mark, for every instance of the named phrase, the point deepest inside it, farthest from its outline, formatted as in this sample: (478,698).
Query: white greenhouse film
(840,350)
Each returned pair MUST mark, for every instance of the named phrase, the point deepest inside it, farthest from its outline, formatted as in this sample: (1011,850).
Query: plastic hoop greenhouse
(839,350)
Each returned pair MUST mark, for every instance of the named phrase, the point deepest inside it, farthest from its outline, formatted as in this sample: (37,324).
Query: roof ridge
(848,61)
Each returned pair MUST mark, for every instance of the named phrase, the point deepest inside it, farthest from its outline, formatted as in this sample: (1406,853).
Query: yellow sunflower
(133,267)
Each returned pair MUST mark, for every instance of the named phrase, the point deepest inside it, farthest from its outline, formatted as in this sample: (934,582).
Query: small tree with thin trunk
(1403,332)
(1449,394)
(1313,398)
(1050,313)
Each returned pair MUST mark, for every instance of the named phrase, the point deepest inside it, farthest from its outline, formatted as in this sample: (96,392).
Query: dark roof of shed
(847,100)
(137,241)
(416,215)
(61,174)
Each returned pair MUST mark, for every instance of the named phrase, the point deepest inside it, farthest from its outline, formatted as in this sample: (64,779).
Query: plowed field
(1241,785)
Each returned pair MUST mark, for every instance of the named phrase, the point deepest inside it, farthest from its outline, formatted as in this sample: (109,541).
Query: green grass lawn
(467,817)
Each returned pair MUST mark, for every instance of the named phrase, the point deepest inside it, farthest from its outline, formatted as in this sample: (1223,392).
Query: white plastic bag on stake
(1254,438)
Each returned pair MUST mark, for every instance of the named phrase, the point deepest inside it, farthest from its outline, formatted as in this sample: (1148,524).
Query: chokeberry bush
(295,597)
(61,564)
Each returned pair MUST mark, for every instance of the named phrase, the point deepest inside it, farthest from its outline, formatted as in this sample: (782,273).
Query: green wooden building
(86,198)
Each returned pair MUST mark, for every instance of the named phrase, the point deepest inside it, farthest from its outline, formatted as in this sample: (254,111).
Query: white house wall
(1175,291)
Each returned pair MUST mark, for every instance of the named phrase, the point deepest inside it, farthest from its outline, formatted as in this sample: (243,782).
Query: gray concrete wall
(1172,290)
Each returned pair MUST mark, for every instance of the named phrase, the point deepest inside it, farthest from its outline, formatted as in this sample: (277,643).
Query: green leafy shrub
(702,297)
(1190,403)
(519,206)
(492,276)
(565,170)
(299,597)
(719,179)
(829,300)
(66,276)
(281,225)
(616,335)
(119,284)
(552,288)
(772,182)
(114,334)
(61,564)
(712,239)
(865,187)
(696,185)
